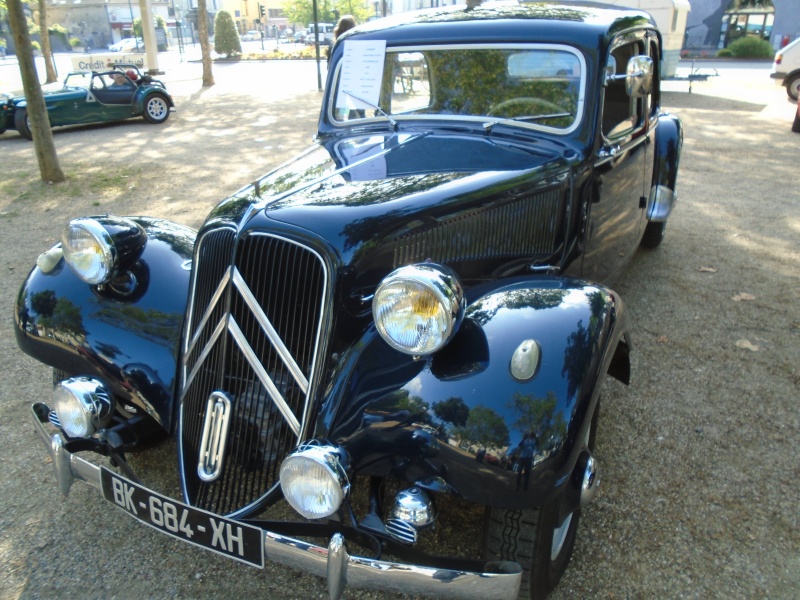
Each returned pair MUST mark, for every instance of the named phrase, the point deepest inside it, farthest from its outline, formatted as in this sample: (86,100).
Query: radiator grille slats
(526,227)
(256,342)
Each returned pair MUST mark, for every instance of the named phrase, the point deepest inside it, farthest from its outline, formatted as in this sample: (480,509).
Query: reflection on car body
(365,335)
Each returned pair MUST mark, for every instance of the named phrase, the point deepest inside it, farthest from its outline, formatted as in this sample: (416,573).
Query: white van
(786,68)
(325,33)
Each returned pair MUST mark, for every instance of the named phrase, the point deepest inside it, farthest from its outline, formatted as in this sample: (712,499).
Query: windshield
(532,85)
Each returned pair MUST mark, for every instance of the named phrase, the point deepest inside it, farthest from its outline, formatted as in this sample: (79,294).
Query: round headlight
(98,249)
(83,406)
(417,308)
(314,481)
(89,250)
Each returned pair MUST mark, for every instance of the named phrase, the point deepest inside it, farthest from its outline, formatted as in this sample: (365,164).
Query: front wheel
(537,541)
(654,234)
(156,108)
(22,124)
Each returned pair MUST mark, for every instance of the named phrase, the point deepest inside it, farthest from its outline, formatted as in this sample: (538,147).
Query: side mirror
(639,76)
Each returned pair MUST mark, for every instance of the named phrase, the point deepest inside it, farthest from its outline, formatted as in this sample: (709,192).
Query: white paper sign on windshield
(361,74)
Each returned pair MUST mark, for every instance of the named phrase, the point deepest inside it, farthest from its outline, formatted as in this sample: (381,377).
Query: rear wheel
(156,108)
(654,234)
(21,123)
(536,539)
(793,87)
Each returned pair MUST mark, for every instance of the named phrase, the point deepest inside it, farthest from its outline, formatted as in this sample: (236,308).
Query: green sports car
(119,93)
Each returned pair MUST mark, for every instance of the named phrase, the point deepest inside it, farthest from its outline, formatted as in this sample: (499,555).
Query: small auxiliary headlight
(83,406)
(314,481)
(418,308)
(96,249)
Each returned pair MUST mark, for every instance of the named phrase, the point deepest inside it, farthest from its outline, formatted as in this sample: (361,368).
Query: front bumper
(332,562)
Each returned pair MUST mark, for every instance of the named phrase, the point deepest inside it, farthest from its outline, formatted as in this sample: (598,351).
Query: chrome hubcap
(559,536)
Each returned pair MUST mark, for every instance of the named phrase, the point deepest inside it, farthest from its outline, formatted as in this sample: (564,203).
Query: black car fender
(667,152)
(127,336)
(459,416)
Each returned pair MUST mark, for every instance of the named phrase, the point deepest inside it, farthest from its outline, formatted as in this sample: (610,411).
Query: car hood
(359,189)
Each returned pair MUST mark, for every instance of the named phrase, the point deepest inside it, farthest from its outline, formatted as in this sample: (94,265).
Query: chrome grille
(525,227)
(253,333)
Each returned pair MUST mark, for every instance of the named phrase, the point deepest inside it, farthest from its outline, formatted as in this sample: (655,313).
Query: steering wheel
(544,106)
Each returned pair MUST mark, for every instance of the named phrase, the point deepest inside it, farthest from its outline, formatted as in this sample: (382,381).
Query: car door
(619,195)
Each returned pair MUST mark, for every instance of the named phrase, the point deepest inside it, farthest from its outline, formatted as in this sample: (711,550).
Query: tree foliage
(453,410)
(302,11)
(226,38)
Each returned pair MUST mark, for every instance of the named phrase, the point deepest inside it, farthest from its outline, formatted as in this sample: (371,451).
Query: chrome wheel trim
(559,536)
(156,107)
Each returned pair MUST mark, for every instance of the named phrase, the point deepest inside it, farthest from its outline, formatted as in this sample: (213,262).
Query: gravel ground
(699,455)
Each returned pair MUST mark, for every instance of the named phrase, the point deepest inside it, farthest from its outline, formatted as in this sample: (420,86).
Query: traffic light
(261,11)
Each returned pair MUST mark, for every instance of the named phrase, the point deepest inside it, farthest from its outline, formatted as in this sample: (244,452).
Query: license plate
(199,527)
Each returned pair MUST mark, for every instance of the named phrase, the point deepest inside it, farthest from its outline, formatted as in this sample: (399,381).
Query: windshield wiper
(526,118)
(374,106)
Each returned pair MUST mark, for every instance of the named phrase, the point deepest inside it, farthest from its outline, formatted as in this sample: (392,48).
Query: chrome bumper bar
(332,562)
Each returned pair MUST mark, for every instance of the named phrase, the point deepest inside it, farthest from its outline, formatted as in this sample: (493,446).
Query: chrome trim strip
(661,201)
(202,358)
(263,376)
(269,330)
(212,304)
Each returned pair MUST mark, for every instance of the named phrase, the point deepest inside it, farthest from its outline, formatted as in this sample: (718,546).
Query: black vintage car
(406,324)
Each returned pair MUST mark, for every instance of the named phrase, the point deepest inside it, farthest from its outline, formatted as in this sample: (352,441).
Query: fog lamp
(82,405)
(314,481)
(418,308)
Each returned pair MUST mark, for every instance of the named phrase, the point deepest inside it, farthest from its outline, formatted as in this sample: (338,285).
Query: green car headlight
(97,248)
(418,308)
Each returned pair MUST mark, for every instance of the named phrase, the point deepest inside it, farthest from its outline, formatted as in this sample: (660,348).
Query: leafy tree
(538,415)
(302,11)
(226,38)
(205,48)
(453,410)
(49,167)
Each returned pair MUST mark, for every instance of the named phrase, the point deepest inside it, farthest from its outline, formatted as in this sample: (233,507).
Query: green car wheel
(22,124)
(156,108)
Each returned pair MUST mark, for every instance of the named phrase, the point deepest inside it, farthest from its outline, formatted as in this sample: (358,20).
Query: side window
(621,113)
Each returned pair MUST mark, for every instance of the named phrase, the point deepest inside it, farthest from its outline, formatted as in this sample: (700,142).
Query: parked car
(342,336)
(128,45)
(786,68)
(251,36)
(299,37)
(118,93)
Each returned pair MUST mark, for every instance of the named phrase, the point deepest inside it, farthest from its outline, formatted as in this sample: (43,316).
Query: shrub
(751,47)
(725,53)
(226,38)
(75,42)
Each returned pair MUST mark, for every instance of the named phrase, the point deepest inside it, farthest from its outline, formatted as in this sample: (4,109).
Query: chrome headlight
(96,248)
(313,481)
(82,405)
(418,308)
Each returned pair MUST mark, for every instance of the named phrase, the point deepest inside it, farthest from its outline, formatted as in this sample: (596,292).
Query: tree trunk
(205,47)
(47,52)
(49,169)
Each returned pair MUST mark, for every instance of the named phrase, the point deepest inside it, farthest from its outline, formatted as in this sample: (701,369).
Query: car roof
(509,20)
